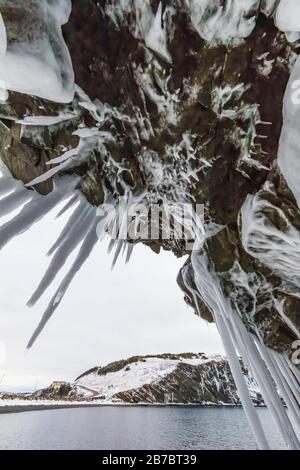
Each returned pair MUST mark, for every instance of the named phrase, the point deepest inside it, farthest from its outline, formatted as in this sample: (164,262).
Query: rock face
(163,379)
(170,109)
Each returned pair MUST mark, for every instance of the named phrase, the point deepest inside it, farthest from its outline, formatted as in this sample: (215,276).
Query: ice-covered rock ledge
(34,58)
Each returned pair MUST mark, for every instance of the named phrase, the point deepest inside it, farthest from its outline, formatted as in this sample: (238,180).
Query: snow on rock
(223,21)
(133,375)
(150,27)
(288,15)
(136,375)
(37,61)
(3,46)
(3,39)
(289,146)
(268,6)
(167,378)
(277,249)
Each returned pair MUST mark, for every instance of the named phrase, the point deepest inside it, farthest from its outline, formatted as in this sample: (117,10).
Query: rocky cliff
(162,379)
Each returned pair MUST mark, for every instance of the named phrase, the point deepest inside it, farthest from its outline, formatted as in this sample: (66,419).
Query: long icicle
(64,251)
(84,252)
(7,184)
(246,346)
(34,210)
(283,387)
(68,227)
(210,291)
(72,201)
(15,200)
(294,384)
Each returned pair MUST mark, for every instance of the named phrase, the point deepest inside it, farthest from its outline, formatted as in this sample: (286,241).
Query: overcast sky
(106,315)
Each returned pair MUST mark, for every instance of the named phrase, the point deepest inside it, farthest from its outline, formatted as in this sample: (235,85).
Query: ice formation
(262,363)
(277,249)
(38,63)
(233,21)
(42,67)
(289,146)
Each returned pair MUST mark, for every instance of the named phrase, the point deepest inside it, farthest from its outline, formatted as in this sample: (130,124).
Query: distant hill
(186,378)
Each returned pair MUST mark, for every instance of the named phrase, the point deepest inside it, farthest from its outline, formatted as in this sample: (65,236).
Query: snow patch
(223,22)
(38,63)
(135,375)
(288,15)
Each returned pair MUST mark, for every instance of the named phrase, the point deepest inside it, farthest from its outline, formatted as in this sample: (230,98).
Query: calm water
(112,428)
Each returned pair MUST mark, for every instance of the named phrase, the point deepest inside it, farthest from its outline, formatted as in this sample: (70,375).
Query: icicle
(245,344)
(242,389)
(6,185)
(235,336)
(130,247)
(258,371)
(111,244)
(209,289)
(72,201)
(295,370)
(194,294)
(120,245)
(48,174)
(34,210)
(84,252)
(15,200)
(289,378)
(278,381)
(284,388)
(122,220)
(63,252)
(67,230)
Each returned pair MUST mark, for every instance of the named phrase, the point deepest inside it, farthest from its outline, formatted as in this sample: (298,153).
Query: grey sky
(106,315)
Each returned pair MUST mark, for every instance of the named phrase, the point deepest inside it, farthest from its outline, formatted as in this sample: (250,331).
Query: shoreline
(20,408)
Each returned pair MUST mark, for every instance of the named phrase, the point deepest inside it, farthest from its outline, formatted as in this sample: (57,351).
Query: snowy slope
(137,374)
(173,378)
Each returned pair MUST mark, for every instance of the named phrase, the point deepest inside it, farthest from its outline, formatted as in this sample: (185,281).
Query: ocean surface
(125,428)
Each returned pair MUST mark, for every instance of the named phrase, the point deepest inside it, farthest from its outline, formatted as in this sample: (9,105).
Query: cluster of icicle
(216,21)
(84,228)
(273,372)
(87,225)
